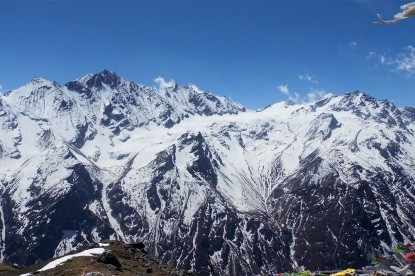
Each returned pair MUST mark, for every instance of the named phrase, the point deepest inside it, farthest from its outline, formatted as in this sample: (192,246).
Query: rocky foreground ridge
(117,258)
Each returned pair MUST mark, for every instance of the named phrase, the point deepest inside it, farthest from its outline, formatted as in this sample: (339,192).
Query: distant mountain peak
(34,86)
(108,74)
(98,81)
(356,99)
(37,81)
(358,94)
(102,79)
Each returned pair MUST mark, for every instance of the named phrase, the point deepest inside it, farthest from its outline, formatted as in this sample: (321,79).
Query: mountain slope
(200,179)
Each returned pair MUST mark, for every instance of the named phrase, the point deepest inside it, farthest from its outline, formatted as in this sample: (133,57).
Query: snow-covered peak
(105,100)
(355,100)
(360,104)
(194,88)
(36,85)
(37,99)
(37,81)
(85,78)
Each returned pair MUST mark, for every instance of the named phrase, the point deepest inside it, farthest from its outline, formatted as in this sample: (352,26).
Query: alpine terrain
(203,182)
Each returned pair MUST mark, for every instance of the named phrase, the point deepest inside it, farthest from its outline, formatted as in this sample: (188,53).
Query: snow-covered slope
(200,179)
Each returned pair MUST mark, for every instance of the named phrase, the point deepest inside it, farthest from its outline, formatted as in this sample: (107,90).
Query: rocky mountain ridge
(201,179)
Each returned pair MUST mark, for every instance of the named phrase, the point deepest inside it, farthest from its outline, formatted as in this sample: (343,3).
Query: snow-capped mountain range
(200,179)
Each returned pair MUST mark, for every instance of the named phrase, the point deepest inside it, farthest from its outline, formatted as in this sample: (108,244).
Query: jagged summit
(102,79)
(98,81)
(358,98)
(361,99)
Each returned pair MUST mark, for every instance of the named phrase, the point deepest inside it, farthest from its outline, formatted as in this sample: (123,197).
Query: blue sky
(254,52)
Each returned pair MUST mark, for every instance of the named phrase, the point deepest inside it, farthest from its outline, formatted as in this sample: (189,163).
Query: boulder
(107,257)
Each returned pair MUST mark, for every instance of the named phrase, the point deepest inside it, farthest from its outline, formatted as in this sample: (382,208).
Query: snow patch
(60,261)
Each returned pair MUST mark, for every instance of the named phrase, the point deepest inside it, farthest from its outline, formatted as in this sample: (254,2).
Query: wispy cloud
(195,88)
(381,58)
(307,77)
(352,44)
(408,10)
(295,97)
(1,88)
(349,48)
(313,96)
(371,54)
(316,94)
(283,88)
(162,83)
(403,62)
(303,96)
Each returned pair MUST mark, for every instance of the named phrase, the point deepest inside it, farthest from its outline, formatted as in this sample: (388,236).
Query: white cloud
(371,54)
(408,10)
(300,97)
(348,48)
(406,61)
(295,98)
(307,77)
(284,89)
(195,88)
(316,95)
(312,96)
(162,83)
(403,62)
(382,59)
(1,88)
(352,44)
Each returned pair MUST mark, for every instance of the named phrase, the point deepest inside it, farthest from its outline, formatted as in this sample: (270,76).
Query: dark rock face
(66,211)
(104,78)
(344,220)
(78,87)
(410,113)
(204,164)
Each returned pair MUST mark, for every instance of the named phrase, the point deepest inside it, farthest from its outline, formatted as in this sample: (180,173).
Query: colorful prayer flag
(408,245)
